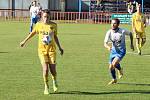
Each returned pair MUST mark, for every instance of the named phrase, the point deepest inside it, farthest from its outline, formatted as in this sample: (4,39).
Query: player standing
(138,27)
(34,11)
(47,32)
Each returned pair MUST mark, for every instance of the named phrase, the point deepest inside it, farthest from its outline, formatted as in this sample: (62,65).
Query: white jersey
(117,37)
(34,10)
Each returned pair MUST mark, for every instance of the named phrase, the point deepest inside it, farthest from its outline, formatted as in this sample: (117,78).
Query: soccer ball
(46,39)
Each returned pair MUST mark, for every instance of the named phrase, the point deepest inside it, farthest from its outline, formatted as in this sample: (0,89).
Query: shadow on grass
(77,34)
(104,93)
(145,54)
(136,84)
(3,52)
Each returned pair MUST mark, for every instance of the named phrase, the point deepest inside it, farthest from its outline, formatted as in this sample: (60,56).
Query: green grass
(82,71)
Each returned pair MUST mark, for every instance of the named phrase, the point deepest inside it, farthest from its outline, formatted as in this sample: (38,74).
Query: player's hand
(132,47)
(61,51)
(22,44)
(134,31)
(144,25)
(109,48)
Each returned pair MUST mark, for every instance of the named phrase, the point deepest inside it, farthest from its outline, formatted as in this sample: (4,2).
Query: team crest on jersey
(46,39)
(116,38)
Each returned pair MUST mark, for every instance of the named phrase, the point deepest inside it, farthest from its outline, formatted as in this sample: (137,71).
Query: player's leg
(143,41)
(120,71)
(31,24)
(115,62)
(113,74)
(137,40)
(54,76)
(45,77)
(52,58)
(138,45)
(45,65)
(112,70)
(36,19)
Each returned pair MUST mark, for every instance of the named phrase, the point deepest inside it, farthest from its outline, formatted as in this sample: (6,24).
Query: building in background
(21,4)
(56,5)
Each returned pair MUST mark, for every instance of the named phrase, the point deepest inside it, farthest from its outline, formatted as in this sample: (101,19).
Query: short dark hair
(46,11)
(117,20)
(34,1)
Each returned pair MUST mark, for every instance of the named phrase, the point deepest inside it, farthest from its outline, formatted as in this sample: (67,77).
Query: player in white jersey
(34,11)
(116,36)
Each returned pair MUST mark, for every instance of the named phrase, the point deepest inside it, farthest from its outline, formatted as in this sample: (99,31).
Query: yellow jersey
(139,20)
(46,30)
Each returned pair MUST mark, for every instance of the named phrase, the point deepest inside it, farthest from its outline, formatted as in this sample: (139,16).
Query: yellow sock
(54,80)
(138,46)
(55,85)
(46,81)
(53,77)
(45,78)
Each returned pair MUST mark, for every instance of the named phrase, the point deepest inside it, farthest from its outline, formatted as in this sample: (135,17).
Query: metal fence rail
(63,17)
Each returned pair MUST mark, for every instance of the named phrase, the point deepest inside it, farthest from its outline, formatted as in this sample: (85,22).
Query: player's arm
(27,38)
(131,41)
(58,44)
(31,10)
(144,21)
(30,13)
(107,46)
(131,38)
(106,41)
(133,25)
(56,39)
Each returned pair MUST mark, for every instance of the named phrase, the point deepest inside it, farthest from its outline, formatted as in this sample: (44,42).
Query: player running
(116,36)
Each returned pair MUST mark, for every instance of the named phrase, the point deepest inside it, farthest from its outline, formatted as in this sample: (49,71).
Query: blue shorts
(34,20)
(118,55)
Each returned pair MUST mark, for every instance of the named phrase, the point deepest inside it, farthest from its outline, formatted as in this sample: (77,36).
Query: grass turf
(82,71)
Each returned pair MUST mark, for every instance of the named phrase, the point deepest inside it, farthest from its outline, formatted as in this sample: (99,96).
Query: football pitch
(82,71)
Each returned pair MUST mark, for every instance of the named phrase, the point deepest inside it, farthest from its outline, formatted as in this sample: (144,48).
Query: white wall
(4,4)
(54,5)
(25,4)
(21,4)
(72,5)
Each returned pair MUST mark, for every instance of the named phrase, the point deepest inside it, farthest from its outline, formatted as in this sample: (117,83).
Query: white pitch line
(137,54)
(132,53)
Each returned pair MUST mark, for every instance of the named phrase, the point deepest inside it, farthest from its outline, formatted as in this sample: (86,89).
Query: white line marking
(137,54)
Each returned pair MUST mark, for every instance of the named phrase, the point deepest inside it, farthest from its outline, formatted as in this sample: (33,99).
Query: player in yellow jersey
(138,27)
(47,32)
